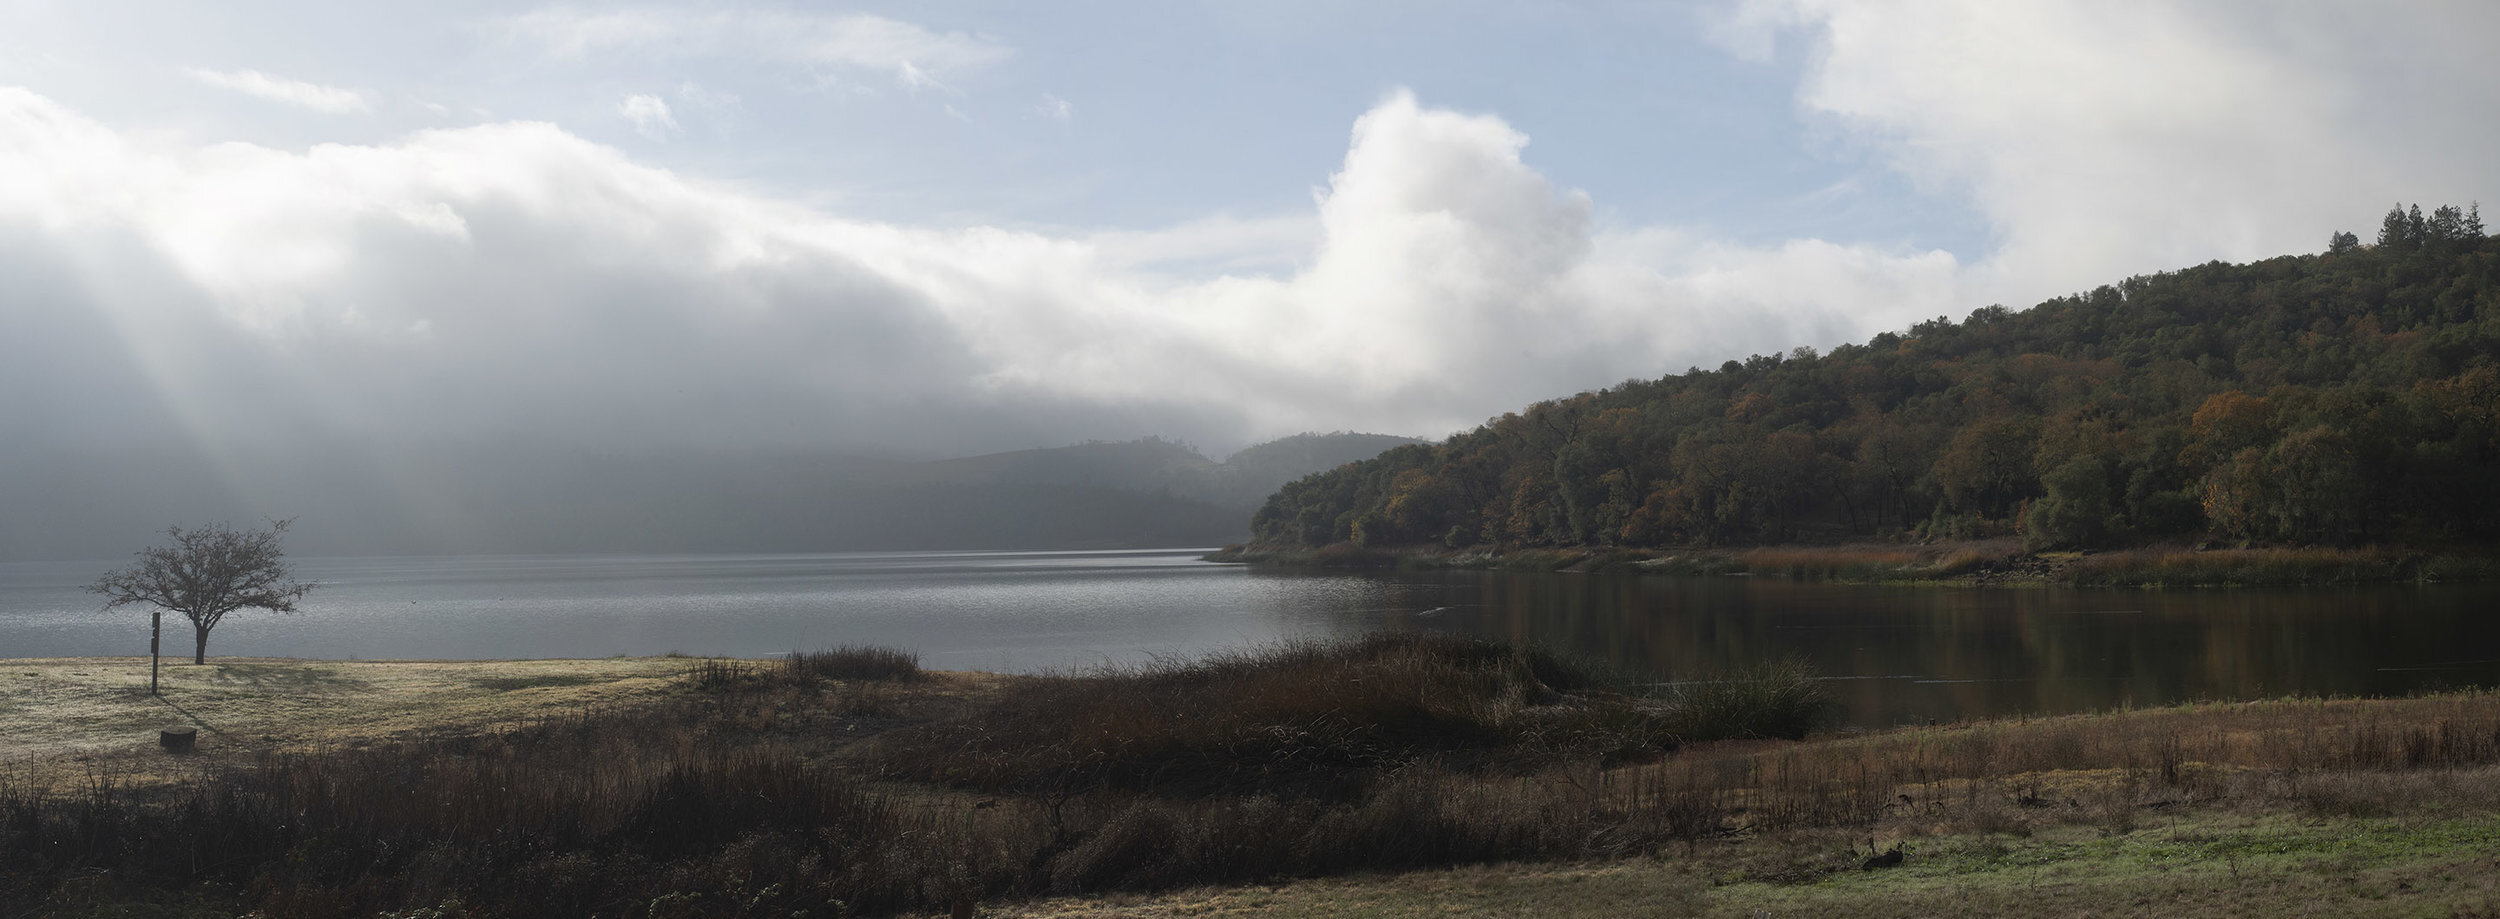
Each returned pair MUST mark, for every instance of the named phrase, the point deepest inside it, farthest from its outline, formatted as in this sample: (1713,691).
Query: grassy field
(68,717)
(2193,865)
(1394,777)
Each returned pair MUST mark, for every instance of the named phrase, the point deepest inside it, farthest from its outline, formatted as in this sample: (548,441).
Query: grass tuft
(854,662)
(1782,700)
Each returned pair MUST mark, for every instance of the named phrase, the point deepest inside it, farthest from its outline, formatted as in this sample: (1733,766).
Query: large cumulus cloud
(514,280)
(2102,138)
(390,314)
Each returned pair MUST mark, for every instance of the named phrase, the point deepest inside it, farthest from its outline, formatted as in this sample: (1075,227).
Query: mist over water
(1003,611)
(1892,654)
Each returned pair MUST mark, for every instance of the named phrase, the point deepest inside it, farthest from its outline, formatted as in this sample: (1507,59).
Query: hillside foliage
(2337,398)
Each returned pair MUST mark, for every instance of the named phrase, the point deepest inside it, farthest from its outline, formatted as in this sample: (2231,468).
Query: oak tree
(204,573)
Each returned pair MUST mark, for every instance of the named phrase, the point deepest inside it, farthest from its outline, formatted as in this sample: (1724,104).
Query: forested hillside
(2338,398)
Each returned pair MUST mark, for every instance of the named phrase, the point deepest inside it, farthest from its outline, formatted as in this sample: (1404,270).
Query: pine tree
(2394,232)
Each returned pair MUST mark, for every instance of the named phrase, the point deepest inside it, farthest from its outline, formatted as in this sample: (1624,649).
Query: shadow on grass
(288,676)
(536,681)
(187,715)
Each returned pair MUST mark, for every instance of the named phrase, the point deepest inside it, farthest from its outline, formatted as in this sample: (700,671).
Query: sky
(375,230)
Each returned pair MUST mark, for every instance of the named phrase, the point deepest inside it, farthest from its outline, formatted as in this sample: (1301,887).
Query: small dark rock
(1890,859)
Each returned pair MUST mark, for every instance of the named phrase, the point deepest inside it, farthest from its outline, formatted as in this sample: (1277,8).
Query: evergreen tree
(2394,232)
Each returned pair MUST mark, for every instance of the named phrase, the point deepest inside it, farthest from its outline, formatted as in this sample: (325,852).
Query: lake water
(1893,654)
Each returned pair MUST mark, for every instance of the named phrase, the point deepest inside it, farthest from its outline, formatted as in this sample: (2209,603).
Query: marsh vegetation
(754,787)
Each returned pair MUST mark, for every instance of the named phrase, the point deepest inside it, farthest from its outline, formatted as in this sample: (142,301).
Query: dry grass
(1400,751)
(765,793)
(2283,808)
(2191,866)
(2339,756)
(1879,562)
(65,717)
(2309,566)
(1297,716)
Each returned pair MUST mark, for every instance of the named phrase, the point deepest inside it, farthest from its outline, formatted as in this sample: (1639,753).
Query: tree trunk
(156,638)
(199,648)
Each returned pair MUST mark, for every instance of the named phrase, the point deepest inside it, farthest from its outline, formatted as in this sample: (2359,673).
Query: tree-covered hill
(2341,397)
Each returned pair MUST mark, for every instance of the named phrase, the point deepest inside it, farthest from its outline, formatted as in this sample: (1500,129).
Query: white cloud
(912,56)
(692,92)
(2103,139)
(516,278)
(297,93)
(1054,107)
(650,116)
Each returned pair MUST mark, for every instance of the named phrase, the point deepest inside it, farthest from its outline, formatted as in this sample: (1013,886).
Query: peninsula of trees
(2338,398)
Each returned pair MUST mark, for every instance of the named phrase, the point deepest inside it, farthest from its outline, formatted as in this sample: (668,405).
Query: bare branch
(206,573)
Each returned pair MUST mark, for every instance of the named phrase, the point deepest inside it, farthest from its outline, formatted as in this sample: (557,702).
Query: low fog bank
(484,501)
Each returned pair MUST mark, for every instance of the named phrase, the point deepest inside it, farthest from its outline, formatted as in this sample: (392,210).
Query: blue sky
(1088,115)
(942,228)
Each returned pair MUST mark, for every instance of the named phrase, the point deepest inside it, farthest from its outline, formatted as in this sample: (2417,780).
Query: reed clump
(1295,718)
(2275,566)
(1777,700)
(853,662)
(801,669)
(1877,563)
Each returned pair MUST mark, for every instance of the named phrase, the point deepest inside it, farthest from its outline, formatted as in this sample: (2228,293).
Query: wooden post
(156,635)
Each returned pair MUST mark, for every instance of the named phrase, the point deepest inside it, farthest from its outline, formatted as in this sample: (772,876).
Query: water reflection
(1894,654)
(1902,654)
(1005,611)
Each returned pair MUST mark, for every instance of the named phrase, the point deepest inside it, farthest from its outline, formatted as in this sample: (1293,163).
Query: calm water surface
(1893,654)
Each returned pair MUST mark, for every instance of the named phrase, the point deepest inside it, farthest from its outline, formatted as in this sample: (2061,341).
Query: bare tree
(206,573)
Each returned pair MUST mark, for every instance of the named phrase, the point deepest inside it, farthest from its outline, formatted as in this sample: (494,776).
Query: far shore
(2001,562)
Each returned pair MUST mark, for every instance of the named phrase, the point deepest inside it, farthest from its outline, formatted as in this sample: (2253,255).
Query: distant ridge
(1134,494)
(1165,469)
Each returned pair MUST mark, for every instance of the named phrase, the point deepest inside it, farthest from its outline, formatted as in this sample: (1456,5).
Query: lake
(1892,654)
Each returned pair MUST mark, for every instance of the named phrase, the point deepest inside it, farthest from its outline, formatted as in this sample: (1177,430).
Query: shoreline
(1984,563)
